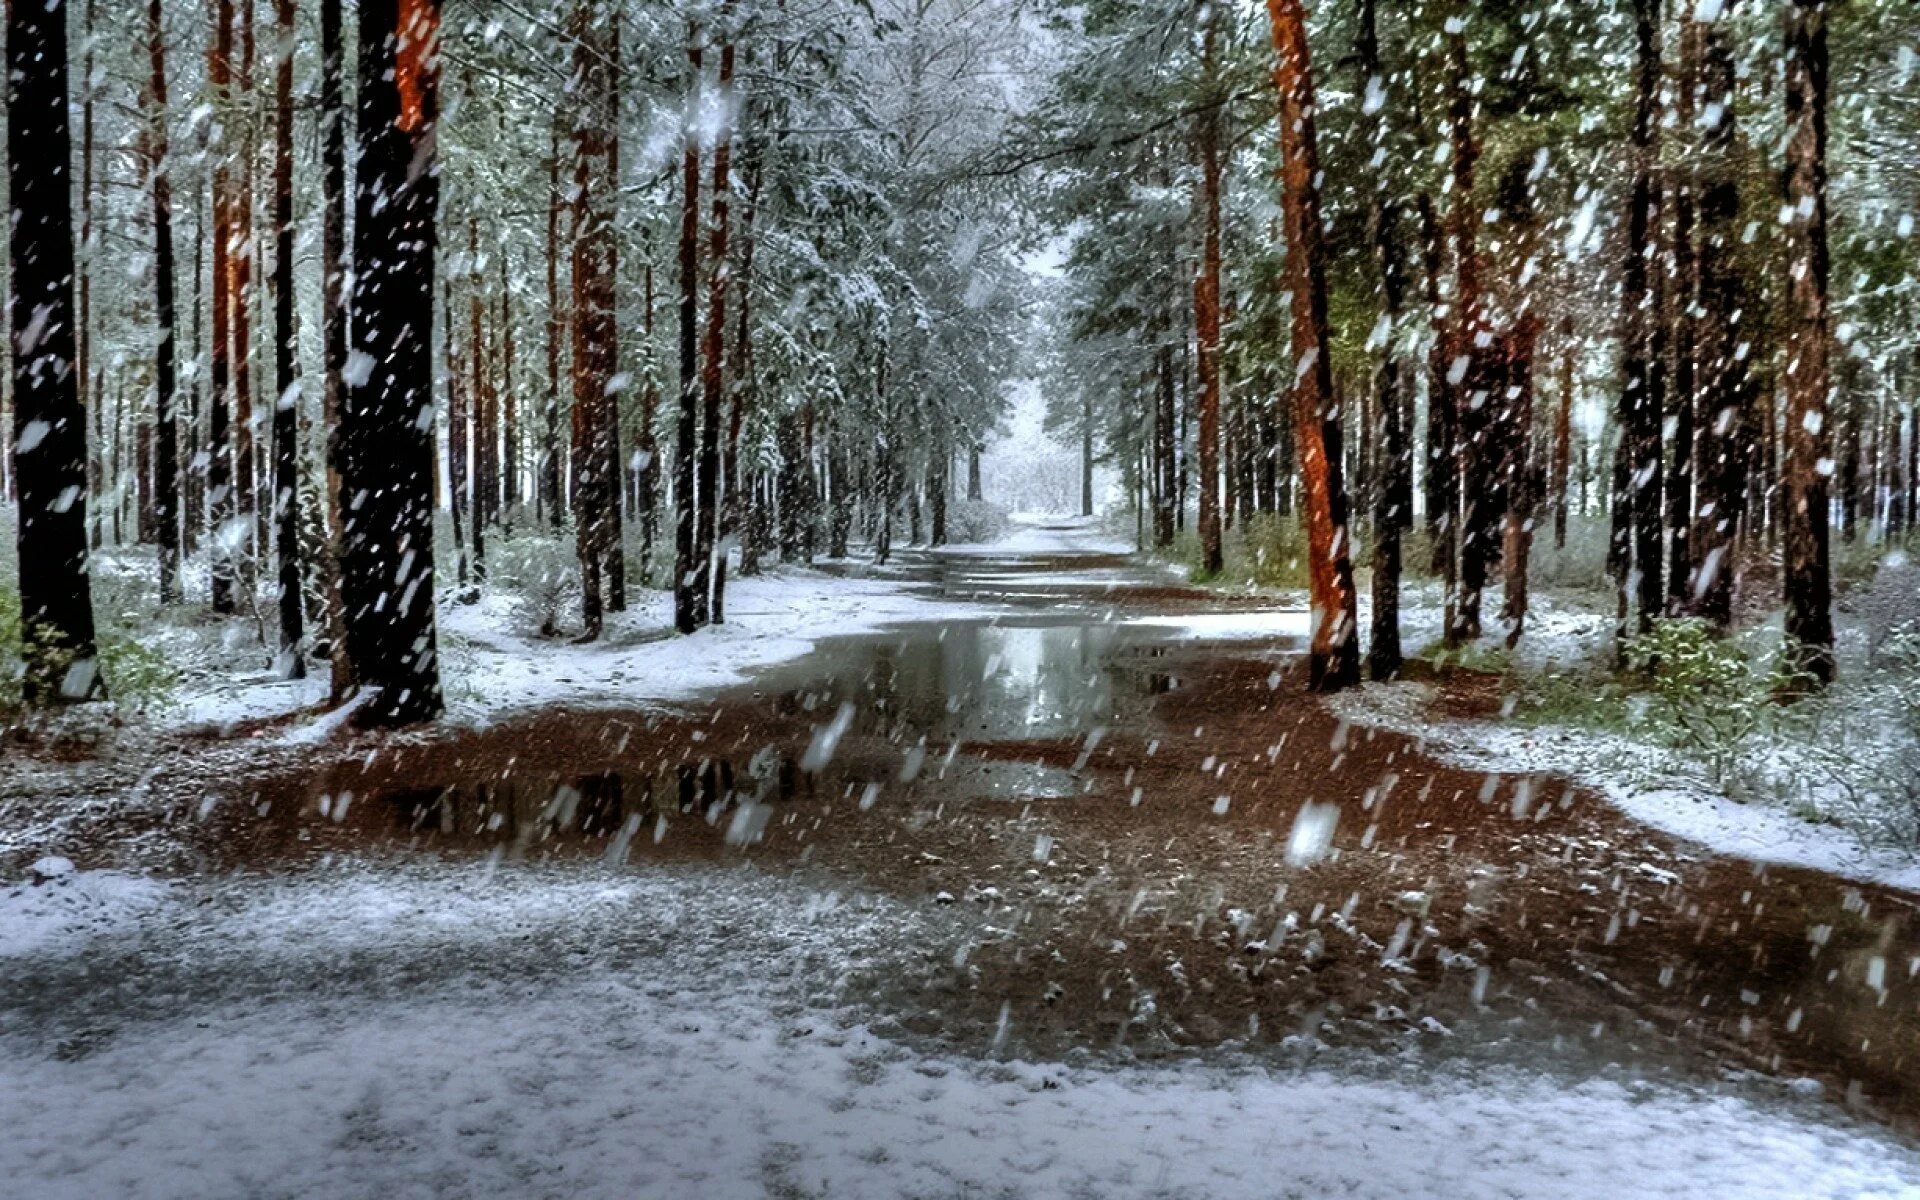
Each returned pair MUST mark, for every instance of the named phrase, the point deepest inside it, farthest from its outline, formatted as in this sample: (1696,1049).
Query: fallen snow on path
(621,1089)
(60,907)
(1289,623)
(1649,784)
(1043,535)
(660,1069)
(492,667)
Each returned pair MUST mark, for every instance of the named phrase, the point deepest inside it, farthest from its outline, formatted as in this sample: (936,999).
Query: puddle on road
(926,714)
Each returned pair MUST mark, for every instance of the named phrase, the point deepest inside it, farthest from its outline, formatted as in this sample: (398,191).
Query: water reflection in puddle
(928,714)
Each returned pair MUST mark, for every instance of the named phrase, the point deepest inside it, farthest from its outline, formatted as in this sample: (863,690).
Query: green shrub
(138,673)
(1710,694)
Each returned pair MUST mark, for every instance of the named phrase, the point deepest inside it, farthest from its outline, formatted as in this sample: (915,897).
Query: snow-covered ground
(493,668)
(1653,786)
(428,1032)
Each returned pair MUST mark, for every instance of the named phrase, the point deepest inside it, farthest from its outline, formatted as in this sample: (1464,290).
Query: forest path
(1101,823)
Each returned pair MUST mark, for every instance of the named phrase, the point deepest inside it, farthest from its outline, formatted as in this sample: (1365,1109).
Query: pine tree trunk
(246,476)
(596,498)
(1334,656)
(387,439)
(458,424)
(689,580)
(1163,423)
(1641,408)
(1443,479)
(92,395)
(713,378)
(166,446)
(1393,491)
(1808,582)
(222,506)
(286,449)
(50,424)
(1471,369)
(1206,310)
(1563,435)
(333,319)
(479,419)
(553,491)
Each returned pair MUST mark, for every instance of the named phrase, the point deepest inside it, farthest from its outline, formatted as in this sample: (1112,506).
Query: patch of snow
(62,907)
(650,1052)
(1647,783)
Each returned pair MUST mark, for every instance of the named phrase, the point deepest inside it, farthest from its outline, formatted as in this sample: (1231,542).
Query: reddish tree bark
(1334,658)
(1206,316)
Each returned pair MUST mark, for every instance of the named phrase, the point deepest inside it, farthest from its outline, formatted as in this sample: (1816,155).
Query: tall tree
(50,426)
(689,580)
(710,550)
(1639,561)
(1206,297)
(387,433)
(1719,463)
(286,444)
(166,447)
(1334,651)
(222,506)
(333,321)
(596,494)
(1393,492)
(1808,461)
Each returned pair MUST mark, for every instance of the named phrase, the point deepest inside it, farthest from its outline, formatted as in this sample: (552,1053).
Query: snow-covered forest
(944,598)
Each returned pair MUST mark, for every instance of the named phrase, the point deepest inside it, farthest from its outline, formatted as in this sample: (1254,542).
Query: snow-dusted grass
(429,1033)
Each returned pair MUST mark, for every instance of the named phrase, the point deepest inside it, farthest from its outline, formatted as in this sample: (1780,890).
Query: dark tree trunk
(711,552)
(1443,480)
(386,436)
(596,496)
(1086,454)
(1720,403)
(1470,367)
(286,447)
(222,507)
(166,447)
(552,469)
(1334,650)
(974,491)
(1640,403)
(251,519)
(457,440)
(1164,495)
(1563,435)
(1206,310)
(1393,491)
(689,578)
(50,425)
(333,318)
(1808,581)
(479,420)
(744,512)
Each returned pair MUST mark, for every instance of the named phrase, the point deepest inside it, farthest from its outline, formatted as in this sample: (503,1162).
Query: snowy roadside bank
(1650,784)
(678,1033)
